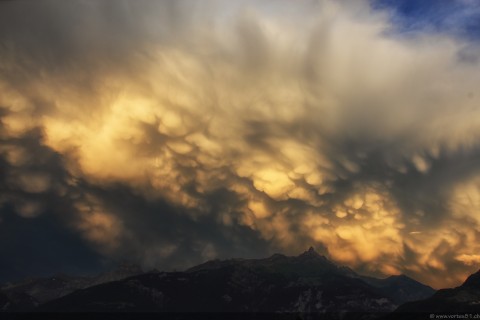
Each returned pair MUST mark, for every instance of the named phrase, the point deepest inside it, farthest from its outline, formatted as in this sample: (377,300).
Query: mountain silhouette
(308,283)
(32,292)
(462,299)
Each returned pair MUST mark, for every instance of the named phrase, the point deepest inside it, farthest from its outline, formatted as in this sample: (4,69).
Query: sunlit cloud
(278,123)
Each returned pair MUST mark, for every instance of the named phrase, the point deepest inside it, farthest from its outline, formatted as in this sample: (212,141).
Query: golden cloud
(286,112)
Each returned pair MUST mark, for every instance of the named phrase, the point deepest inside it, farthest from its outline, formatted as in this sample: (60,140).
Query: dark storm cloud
(31,172)
(172,132)
(35,210)
(37,222)
(42,247)
(159,232)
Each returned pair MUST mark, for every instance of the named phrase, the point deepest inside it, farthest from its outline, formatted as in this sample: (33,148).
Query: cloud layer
(179,131)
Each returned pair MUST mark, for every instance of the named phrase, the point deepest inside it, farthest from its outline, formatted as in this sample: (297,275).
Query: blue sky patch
(460,18)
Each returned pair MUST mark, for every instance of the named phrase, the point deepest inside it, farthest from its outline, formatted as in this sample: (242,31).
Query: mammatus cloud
(187,130)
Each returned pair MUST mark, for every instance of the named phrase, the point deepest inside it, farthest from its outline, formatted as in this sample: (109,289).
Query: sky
(168,133)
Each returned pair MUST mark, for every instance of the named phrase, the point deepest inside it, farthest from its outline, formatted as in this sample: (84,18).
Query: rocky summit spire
(310,253)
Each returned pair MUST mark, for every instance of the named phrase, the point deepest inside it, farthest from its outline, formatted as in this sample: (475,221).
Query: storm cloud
(173,132)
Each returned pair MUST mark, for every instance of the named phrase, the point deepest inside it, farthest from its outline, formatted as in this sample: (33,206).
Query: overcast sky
(168,133)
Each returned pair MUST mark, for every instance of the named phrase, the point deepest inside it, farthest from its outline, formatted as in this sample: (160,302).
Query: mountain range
(30,293)
(305,284)
(308,283)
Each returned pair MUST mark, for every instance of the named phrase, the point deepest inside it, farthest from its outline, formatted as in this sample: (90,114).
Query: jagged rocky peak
(311,250)
(311,253)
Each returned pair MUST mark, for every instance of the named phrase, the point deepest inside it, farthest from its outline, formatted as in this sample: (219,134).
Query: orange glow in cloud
(266,111)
